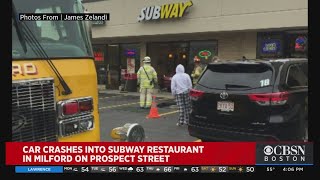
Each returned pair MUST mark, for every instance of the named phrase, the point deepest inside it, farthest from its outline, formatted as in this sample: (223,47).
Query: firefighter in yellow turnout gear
(147,78)
(196,71)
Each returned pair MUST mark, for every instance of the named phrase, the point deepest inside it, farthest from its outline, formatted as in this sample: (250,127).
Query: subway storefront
(177,32)
(115,60)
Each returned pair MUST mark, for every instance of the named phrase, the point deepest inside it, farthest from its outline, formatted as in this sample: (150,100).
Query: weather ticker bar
(159,169)
(135,169)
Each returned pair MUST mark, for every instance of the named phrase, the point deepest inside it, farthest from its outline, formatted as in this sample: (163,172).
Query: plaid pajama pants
(184,103)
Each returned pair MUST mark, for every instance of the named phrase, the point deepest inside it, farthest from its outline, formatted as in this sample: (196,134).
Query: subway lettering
(167,11)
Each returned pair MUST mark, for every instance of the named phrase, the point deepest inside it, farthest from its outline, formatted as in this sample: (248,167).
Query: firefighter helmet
(147,59)
(196,59)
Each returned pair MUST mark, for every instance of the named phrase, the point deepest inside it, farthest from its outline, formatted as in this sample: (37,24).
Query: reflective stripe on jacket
(143,78)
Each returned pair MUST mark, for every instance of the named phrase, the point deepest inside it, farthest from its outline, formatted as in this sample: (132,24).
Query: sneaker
(179,124)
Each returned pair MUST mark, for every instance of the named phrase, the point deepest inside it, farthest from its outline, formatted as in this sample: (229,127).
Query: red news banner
(129,153)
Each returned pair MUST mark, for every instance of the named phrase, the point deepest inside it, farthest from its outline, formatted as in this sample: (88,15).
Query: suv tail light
(278,98)
(196,94)
(75,115)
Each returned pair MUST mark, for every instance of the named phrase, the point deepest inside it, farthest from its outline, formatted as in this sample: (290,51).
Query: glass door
(202,50)
(99,59)
(165,57)
(113,67)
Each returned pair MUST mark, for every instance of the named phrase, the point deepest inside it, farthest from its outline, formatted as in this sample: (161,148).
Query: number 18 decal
(265,82)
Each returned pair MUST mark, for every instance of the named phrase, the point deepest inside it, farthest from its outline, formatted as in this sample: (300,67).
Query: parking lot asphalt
(117,109)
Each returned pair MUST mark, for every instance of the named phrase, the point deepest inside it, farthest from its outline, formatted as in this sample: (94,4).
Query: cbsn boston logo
(285,153)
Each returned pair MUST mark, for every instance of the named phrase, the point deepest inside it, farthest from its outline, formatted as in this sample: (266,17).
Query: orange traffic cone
(154,109)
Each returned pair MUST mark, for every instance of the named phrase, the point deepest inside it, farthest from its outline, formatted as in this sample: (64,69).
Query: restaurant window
(203,50)
(99,52)
(297,44)
(165,56)
(130,57)
(270,45)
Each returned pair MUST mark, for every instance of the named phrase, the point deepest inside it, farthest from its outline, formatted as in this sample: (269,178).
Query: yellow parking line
(110,97)
(118,105)
(172,112)
(107,107)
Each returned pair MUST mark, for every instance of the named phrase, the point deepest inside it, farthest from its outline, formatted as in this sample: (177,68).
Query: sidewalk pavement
(157,93)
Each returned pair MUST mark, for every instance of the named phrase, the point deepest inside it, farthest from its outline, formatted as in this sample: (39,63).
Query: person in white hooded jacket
(180,87)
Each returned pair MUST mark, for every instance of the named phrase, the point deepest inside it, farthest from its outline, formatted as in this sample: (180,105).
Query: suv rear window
(230,76)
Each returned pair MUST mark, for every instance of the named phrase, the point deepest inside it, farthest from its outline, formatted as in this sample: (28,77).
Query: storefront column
(249,45)
(143,51)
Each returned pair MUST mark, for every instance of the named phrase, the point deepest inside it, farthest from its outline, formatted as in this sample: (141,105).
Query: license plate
(225,106)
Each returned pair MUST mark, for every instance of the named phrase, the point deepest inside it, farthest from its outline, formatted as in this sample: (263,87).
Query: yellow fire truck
(54,81)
